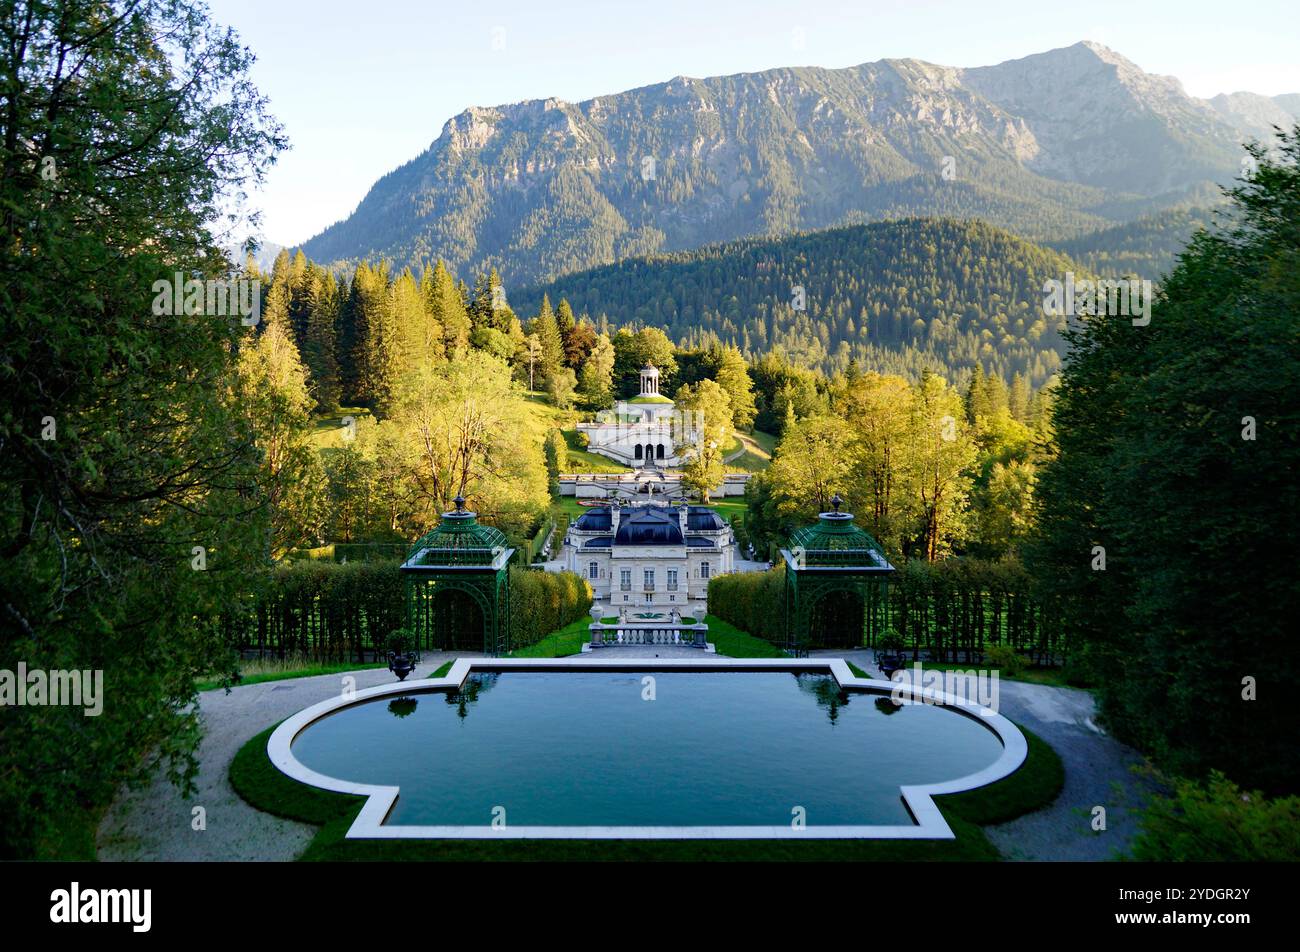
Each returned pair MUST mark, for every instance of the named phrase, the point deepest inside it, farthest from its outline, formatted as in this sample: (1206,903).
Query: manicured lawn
(567,641)
(727,508)
(583,461)
(734,643)
(569,506)
(758,446)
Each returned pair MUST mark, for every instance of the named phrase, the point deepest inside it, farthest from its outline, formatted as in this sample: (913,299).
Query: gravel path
(1098,772)
(155,822)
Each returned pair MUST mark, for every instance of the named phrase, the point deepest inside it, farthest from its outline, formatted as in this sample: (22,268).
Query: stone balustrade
(649,633)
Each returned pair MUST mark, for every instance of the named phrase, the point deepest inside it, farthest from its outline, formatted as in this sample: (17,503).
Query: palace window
(672,580)
(593,570)
(649,580)
(704,570)
(625,580)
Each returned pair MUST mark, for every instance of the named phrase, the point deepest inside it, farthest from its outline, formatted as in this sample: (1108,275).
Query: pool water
(702,748)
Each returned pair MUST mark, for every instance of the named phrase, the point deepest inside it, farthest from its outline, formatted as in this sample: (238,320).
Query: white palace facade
(643,432)
(650,557)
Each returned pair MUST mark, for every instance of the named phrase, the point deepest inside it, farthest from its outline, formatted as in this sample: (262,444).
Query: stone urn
(401,659)
(401,663)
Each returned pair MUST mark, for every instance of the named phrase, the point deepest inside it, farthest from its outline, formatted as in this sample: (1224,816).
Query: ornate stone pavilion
(650,557)
(643,432)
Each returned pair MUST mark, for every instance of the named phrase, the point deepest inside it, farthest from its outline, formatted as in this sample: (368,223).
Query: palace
(650,557)
(641,553)
(642,432)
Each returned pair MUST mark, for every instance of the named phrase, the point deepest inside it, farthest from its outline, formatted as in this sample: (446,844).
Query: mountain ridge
(546,187)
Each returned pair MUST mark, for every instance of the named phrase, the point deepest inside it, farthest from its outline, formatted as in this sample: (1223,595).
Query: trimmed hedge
(947,609)
(337,612)
(961,605)
(354,552)
(325,610)
(543,602)
(752,602)
(531,548)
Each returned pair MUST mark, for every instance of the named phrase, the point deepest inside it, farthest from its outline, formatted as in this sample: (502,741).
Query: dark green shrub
(1217,821)
(1006,659)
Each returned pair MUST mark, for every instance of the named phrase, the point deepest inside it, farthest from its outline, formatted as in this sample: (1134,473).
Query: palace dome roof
(703,519)
(594,520)
(649,525)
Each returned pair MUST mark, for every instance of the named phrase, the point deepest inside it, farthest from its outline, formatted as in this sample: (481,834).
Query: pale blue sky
(362,87)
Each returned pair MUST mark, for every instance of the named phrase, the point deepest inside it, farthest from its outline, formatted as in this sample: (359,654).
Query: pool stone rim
(917,798)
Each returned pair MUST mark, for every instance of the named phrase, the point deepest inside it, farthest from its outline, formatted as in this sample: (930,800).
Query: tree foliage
(127,464)
(1178,448)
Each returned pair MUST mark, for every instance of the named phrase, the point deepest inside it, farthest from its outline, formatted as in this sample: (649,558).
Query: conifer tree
(548,336)
(320,352)
(1018,398)
(565,320)
(446,305)
(732,375)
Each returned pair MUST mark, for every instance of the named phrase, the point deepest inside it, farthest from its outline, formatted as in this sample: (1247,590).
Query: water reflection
(469,692)
(826,691)
(402,706)
(887,705)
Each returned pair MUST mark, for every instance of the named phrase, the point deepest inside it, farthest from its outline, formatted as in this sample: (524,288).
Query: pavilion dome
(649,525)
(458,539)
(834,540)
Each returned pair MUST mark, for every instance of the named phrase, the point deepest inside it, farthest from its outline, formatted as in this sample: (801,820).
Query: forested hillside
(898,297)
(1147,247)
